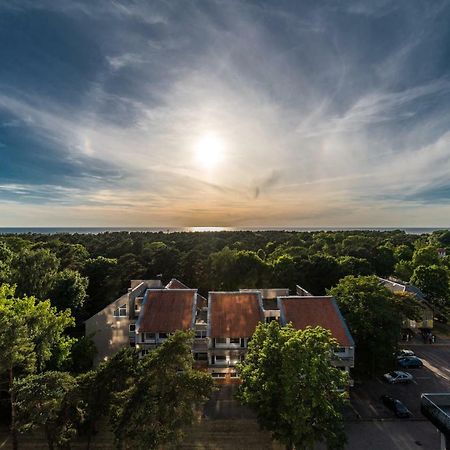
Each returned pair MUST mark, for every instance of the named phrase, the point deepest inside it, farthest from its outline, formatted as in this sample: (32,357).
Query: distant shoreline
(98,230)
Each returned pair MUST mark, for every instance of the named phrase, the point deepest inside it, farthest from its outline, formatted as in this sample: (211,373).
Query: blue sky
(316,113)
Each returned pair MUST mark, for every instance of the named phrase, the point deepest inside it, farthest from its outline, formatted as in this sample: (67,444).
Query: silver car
(398,376)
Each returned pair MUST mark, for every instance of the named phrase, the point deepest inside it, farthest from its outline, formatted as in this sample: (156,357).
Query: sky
(225,113)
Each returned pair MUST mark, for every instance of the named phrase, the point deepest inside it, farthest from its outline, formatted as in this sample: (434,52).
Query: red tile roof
(176,284)
(315,311)
(167,310)
(234,314)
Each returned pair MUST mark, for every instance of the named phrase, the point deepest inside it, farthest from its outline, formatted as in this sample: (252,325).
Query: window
(150,336)
(220,359)
(340,350)
(201,356)
(144,352)
(132,328)
(235,340)
(200,334)
(221,340)
(234,375)
(163,335)
(121,311)
(271,318)
(218,375)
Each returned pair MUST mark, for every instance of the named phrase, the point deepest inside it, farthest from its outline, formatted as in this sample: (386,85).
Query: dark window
(221,340)
(162,335)
(201,356)
(235,340)
(121,311)
(218,375)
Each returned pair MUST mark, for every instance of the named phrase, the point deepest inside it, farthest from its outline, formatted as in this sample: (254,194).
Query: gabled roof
(234,314)
(167,310)
(315,311)
(400,286)
(175,284)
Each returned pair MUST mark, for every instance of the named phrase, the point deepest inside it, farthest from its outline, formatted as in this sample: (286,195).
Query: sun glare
(209,151)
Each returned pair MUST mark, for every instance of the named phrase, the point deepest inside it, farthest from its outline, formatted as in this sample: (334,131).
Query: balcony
(436,408)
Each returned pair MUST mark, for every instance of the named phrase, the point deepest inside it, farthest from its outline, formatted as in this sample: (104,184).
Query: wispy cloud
(331,114)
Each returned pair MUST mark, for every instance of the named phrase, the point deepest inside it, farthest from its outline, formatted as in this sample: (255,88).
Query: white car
(398,377)
(404,352)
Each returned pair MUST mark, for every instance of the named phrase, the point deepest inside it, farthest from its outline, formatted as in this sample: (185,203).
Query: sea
(98,230)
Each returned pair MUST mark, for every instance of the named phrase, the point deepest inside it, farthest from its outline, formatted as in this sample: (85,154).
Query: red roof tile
(315,311)
(234,314)
(166,311)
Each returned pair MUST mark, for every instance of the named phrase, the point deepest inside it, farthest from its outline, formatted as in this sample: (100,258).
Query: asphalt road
(392,435)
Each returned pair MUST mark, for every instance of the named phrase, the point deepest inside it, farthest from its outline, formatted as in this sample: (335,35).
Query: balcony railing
(436,407)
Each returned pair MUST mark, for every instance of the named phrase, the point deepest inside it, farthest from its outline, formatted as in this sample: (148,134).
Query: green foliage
(159,401)
(44,402)
(403,270)
(319,273)
(101,273)
(285,272)
(234,269)
(97,388)
(160,258)
(349,265)
(68,290)
(31,333)
(373,318)
(33,271)
(433,281)
(383,261)
(403,253)
(425,256)
(289,381)
(6,256)
(82,355)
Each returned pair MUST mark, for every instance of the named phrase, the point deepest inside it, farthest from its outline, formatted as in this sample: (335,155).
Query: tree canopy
(374,319)
(289,381)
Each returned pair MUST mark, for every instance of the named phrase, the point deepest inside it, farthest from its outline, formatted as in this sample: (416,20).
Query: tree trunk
(15,442)
(49,438)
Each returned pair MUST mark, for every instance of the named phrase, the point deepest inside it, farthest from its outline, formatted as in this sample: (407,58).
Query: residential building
(163,312)
(269,300)
(223,324)
(113,327)
(304,311)
(232,319)
(427,315)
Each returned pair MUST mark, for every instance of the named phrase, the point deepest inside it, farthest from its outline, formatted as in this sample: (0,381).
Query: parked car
(409,361)
(400,410)
(404,352)
(397,376)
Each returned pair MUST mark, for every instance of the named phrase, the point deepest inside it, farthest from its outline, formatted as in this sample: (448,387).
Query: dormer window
(121,311)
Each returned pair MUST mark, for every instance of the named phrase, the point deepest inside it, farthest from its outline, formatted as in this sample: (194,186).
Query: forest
(85,272)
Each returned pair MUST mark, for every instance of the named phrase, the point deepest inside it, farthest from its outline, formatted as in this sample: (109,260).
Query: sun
(209,151)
